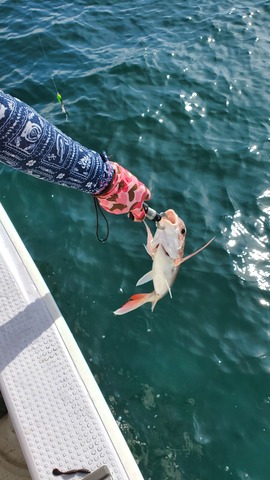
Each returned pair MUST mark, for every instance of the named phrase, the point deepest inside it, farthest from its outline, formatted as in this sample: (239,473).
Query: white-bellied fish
(166,249)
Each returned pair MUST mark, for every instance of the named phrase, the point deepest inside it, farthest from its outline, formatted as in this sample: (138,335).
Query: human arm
(31,144)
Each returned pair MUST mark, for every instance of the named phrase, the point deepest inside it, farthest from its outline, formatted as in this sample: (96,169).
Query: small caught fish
(166,249)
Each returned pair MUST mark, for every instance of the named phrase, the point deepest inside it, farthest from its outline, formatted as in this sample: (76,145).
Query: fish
(166,249)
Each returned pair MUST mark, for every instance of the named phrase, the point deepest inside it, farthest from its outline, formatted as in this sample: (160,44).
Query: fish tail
(137,301)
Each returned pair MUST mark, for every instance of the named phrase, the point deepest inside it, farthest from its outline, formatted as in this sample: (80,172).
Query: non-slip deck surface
(55,405)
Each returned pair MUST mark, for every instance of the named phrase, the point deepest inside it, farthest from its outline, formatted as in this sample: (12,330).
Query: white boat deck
(56,408)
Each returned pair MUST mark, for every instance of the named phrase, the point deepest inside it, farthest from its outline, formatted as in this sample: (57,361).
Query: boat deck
(58,412)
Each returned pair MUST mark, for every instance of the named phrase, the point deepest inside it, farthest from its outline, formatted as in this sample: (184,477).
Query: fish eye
(183,231)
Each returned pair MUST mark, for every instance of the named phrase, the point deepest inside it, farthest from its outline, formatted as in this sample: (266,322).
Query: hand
(125,194)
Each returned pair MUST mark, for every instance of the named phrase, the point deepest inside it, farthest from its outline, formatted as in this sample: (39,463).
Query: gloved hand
(125,194)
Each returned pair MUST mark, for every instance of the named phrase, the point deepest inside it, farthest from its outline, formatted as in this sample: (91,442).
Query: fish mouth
(171,216)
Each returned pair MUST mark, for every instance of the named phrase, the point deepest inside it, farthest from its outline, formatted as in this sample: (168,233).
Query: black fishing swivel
(153,215)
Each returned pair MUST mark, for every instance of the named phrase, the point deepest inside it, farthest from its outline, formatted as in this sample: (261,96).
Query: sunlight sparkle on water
(253,148)
(193,103)
(264,201)
(264,303)
(251,257)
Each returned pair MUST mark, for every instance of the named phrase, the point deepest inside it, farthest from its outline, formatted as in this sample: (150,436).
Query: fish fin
(150,251)
(145,278)
(149,247)
(137,301)
(146,248)
(160,285)
(154,302)
(182,260)
(169,289)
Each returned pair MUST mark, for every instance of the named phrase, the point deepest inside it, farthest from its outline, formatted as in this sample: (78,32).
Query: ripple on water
(249,244)
(179,96)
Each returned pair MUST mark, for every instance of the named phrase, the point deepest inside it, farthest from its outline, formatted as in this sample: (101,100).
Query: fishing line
(58,95)
(98,210)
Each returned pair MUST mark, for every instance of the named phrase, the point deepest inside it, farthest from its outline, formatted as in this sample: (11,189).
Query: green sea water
(177,92)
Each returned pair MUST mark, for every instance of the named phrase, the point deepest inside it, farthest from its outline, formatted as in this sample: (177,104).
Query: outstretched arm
(31,144)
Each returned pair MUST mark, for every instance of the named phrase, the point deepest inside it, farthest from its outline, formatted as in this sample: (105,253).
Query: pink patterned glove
(125,194)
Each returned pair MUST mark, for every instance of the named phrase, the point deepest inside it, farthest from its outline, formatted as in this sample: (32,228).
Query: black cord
(58,472)
(98,210)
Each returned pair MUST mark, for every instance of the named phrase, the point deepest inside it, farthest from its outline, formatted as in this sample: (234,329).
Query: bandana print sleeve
(31,144)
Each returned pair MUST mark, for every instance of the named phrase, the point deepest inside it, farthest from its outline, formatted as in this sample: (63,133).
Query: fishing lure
(60,100)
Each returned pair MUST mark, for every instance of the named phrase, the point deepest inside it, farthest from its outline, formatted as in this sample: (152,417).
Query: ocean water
(178,93)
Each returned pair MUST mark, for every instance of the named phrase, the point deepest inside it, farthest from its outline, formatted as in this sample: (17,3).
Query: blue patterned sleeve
(31,144)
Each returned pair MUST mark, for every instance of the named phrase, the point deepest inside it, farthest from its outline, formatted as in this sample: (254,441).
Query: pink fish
(166,249)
